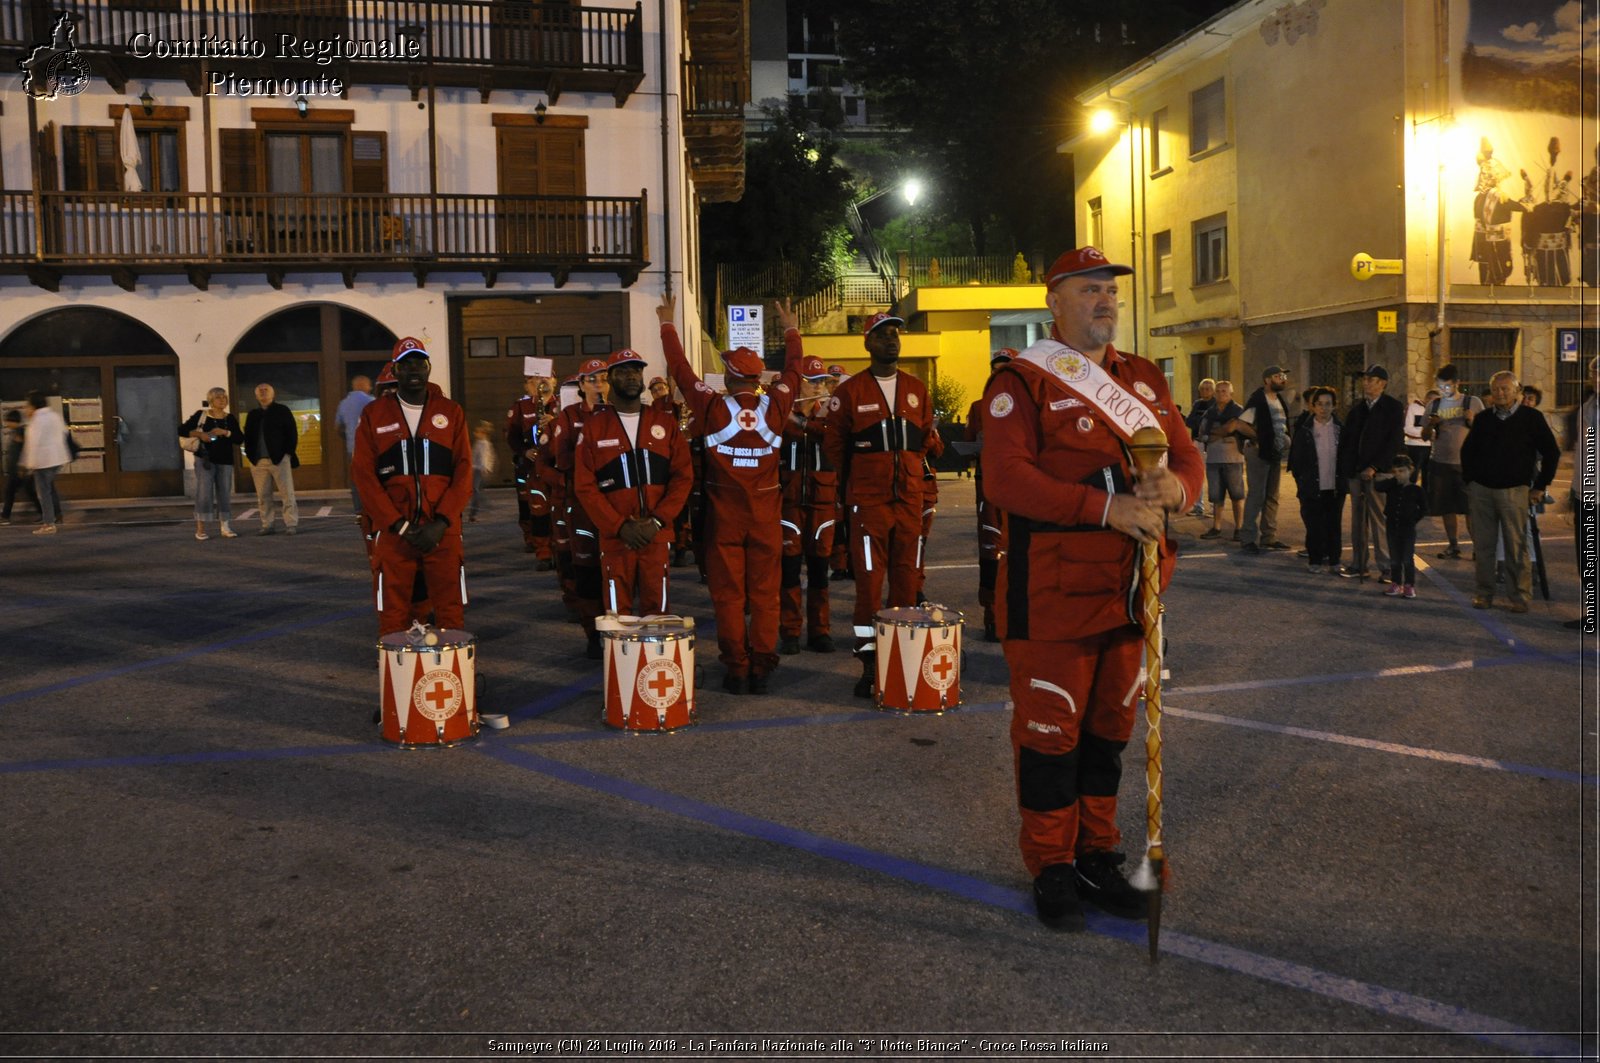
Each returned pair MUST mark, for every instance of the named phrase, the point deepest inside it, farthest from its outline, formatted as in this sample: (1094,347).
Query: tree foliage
(793,208)
(983,92)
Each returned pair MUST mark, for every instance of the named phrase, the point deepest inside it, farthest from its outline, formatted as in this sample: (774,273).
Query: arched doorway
(308,354)
(115,382)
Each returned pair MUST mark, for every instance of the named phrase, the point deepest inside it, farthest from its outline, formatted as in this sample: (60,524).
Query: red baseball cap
(626,356)
(386,377)
(592,366)
(659,380)
(407,347)
(881,319)
(743,362)
(1001,356)
(836,370)
(812,368)
(1079,261)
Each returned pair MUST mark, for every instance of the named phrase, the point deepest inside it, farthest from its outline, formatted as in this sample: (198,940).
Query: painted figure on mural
(1547,225)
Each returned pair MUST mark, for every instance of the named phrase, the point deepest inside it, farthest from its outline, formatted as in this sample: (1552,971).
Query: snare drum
(919,658)
(649,679)
(429,692)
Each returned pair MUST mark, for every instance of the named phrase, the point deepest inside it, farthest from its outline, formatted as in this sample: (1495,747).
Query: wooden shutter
(240,174)
(369,166)
(90,161)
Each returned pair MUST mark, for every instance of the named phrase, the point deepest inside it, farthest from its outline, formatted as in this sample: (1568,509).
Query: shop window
(299,329)
(147,418)
(596,346)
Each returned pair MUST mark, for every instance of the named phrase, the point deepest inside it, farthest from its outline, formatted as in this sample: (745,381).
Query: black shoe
(820,643)
(758,684)
(1449,553)
(839,575)
(990,633)
(1100,882)
(868,680)
(593,650)
(1278,544)
(1055,898)
(529,548)
(1353,573)
(544,566)
(733,683)
(789,645)
(1251,548)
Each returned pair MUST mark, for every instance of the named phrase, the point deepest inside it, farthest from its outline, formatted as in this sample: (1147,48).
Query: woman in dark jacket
(1313,462)
(216,433)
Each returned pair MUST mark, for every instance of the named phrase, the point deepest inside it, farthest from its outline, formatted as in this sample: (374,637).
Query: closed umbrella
(129,147)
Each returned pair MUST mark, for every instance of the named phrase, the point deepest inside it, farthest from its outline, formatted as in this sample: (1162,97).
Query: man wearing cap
(1056,424)
(413,467)
(879,425)
(810,504)
(631,472)
(1265,426)
(579,568)
(743,433)
(1373,434)
(991,520)
(527,426)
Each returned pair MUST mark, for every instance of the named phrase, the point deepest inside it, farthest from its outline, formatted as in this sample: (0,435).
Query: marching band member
(579,567)
(991,521)
(810,505)
(526,424)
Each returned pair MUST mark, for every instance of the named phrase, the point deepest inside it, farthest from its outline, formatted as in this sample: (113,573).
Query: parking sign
(744,328)
(1567,344)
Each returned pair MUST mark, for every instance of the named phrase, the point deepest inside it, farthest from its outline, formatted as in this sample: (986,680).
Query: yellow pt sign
(1364,267)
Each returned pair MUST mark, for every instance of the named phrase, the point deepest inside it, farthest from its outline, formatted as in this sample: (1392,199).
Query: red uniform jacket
(615,481)
(555,465)
(1049,459)
(878,451)
(522,427)
(808,479)
(404,477)
(742,432)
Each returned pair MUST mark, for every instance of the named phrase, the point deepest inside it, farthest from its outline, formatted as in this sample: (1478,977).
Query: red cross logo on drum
(746,419)
(941,668)
(438,695)
(660,684)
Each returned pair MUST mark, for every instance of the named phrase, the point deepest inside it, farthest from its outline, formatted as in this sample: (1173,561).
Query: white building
(499,179)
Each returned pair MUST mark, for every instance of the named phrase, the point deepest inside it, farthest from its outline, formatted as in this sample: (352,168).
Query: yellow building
(1242,168)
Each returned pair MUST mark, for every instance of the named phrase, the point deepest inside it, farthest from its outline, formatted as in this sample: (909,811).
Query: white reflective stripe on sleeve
(1138,685)
(866,545)
(663,607)
(824,526)
(791,526)
(1040,684)
(463,584)
(1106,513)
(919,553)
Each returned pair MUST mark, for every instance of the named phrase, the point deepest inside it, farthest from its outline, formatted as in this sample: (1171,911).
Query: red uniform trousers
(744,559)
(586,581)
(991,522)
(884,540)
(634,582)
(1074,704)
(930,506)
(808,541)
(421,608)
(533,510)
(396,565)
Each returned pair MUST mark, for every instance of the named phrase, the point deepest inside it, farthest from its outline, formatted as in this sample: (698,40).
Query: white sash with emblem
(1123,411)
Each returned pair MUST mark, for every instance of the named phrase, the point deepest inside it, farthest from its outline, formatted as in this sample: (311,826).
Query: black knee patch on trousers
(817,572)
(1100,769)
(1046,781)
(791,571)
(988,572)
(587,580)
(539,525)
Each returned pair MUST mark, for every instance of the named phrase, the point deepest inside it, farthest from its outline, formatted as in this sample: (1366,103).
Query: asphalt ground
(1380,818)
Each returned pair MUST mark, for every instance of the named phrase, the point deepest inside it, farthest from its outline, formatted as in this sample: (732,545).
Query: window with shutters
(1211,249)
(1208,118)
(542,177)
(89,159)
(296,189)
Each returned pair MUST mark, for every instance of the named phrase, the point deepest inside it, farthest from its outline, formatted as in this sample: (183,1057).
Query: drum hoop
(404,644)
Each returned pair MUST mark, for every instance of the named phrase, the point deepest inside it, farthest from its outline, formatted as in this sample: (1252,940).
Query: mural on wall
(1518,104)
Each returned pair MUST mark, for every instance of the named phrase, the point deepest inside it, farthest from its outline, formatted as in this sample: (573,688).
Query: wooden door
(544,161)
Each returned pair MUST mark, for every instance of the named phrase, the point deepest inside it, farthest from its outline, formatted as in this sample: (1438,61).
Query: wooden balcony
(482,44)
(714,95)
(125,236)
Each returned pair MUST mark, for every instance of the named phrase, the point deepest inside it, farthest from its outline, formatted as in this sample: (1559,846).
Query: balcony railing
(714,90)
(164,232)
(513,44)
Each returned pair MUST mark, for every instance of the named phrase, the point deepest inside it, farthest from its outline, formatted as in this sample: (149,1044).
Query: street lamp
(911,190)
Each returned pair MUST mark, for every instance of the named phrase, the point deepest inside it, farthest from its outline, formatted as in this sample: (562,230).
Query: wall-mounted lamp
(148,102)
(301,105)
(538,112)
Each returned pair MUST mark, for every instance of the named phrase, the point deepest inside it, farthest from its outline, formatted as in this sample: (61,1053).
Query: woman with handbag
(211,435)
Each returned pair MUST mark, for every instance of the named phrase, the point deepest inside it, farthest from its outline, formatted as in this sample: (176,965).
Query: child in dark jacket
(1404,509)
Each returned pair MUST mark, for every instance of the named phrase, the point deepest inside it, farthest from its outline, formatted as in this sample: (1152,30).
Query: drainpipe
(666,159)
(1442,92)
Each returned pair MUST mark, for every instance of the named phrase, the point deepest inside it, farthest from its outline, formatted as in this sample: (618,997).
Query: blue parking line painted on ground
(1389,1002)
(174,658)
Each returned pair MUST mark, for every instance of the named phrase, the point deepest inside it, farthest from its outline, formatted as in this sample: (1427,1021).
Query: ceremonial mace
(1148,447)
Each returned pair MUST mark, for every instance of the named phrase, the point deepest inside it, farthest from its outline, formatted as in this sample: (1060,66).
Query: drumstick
(1148,447)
